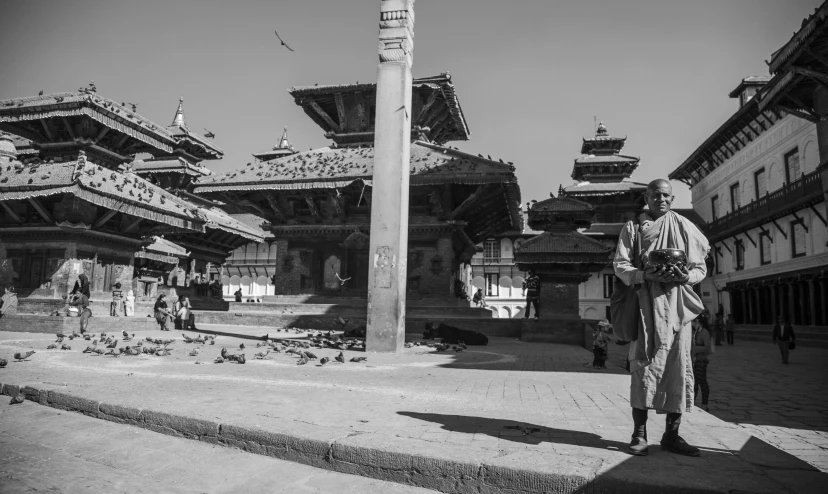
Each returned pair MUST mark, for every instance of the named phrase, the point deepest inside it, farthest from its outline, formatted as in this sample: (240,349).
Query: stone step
(320,308)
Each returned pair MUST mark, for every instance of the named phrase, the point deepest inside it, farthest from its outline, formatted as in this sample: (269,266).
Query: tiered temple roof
(601,161)
(346,112)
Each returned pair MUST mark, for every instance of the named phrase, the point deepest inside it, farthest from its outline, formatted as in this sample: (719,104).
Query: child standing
(600,339)
(117,301)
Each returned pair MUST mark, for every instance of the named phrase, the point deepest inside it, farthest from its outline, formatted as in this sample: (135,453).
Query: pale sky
(530,75)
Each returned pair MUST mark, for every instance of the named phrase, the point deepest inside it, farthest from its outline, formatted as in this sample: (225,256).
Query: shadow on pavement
(524,433)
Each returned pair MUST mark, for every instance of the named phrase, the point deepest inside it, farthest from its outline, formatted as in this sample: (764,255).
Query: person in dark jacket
(81,286)
(783,334)
(162,313)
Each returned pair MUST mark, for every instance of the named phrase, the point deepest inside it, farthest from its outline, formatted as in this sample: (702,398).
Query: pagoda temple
(72,201)
(319,202)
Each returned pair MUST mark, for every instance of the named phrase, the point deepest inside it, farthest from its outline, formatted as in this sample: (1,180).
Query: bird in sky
(208,134)
(40,93)
(282,41)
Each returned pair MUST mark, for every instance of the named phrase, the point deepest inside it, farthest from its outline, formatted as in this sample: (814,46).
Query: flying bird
(40,93)
(208,134)
(282,41)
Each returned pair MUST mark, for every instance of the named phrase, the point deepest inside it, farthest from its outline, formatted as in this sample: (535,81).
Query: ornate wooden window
(798,238)
(760,182)
(491,285)
(765,248)
(739,255)
(792,168)
(735,197)
(491,249)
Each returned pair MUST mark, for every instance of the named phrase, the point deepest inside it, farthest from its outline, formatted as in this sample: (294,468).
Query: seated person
(479,298)
(452,335)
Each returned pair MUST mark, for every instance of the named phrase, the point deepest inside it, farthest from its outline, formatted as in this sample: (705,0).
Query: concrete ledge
(457,469)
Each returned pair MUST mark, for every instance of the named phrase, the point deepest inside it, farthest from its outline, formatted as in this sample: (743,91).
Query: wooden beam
(132,225)
(802,105)
(46,128)
(340,211)
(424,109)
(817,57)
(40,209)
(311,204)
(360,106)
(68,127)
(780,229)
(726,247)
(274,205)
(322,113)
(816,212)
(765,232)
(340,109)
(104,218)
(797,113)
(11,212)
(800,220)
(470,200)
(101,134)
(122,141)
(750,238)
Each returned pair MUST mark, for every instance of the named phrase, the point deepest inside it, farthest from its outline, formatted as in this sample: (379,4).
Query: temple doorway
(357,271)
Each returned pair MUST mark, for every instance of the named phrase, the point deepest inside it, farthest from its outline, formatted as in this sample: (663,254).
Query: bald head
(659,183)
(659,197)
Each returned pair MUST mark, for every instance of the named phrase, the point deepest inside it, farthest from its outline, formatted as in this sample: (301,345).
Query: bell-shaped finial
(601,131)
(179,121)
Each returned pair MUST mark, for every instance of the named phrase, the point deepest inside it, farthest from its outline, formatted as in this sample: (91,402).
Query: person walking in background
(129,304)
(783,334)
(116,306)
(8,304)
(702,349)
(531,288)
(184,313)
(600,340)
(729,327)
(162,312)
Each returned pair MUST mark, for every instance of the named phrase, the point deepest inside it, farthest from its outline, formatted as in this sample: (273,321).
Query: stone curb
(458,470)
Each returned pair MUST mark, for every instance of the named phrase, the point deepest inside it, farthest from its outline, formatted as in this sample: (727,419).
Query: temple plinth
(563,259)
(388,251)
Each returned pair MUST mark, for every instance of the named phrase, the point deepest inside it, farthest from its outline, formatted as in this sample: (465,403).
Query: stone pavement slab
(508,417)
(44,449)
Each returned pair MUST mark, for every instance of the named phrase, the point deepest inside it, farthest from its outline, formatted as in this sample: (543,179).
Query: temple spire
(284,143)
(179,121)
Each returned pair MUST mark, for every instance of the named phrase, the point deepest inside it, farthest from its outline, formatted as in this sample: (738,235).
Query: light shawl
(660,360)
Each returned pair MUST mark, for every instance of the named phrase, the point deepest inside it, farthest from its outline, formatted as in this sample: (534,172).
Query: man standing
(729,329)
(660,360)
(531,288)
(783,333)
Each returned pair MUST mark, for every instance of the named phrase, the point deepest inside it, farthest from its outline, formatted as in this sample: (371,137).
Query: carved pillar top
(396,35)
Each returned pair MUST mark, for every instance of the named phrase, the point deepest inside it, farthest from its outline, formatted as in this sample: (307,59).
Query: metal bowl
(667,257)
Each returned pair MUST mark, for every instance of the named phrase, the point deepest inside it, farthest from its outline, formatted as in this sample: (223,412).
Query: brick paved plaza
(492,405)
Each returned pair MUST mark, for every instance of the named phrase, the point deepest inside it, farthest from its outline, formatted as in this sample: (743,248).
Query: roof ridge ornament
(284,143)
(178,120)
(601,131)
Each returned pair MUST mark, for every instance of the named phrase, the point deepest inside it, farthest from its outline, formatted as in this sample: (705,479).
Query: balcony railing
(486,261)
(786,200)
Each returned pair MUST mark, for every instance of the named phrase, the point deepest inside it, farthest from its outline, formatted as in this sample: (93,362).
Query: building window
(491,249)
(760,181)
(765,248)
(491,285)
(797,238)
(735,198)
(717,261)
(792,170)
(609,281)
(739,255)
(714,207)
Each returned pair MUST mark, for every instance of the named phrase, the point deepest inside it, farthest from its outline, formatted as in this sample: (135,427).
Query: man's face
(659,198)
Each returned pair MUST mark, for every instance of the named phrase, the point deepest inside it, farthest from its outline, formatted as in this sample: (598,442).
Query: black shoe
(639,447)
(679,446)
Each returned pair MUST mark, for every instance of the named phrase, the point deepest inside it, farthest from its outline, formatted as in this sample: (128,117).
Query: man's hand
(680,275)
(667,274)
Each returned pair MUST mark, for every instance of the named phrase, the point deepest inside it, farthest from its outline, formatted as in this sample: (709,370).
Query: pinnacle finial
(602,130)
(179,120)
(284,143)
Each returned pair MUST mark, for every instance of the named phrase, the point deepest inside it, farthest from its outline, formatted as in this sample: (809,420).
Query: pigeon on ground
(303,359)
(89,349)
(324,360)
(310,355)
(97,351)
(359,359)
(340,358)
(112,352)
(18,398)
(113,344)
(241,347)
(262,355)
(187,339)
(23,356)
(125,334)
(458,349)
(51,346)
(193,352)
(65,347)
(87,337)
(218,360)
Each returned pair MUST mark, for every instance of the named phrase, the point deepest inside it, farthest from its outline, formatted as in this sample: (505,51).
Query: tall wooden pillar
(751,305)
(743,295)
(803,309)
(812,301)
(774,314)
(824,304)
(791,302)
(388,252)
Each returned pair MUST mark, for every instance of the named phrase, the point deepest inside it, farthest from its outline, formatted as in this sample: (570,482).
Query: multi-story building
(755,183)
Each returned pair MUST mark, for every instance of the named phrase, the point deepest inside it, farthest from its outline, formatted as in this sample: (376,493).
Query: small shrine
(563,259)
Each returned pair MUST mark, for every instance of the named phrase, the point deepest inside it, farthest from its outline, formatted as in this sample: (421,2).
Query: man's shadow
(524,433)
